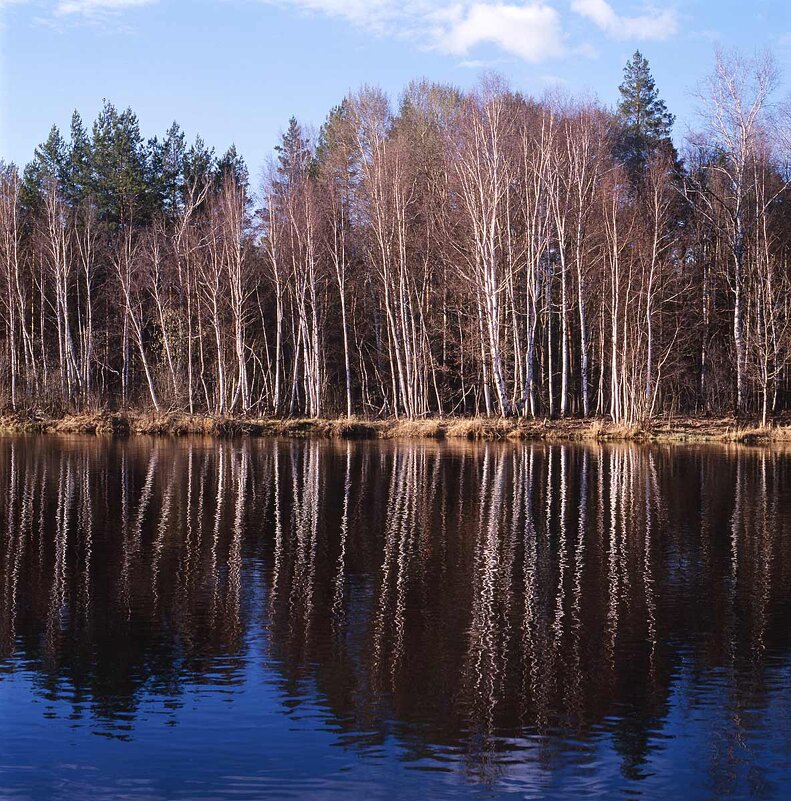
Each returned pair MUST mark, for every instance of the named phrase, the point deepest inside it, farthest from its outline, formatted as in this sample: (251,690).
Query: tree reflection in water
(497,608)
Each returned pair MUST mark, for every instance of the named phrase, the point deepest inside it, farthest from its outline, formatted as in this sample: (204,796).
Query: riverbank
(726,429)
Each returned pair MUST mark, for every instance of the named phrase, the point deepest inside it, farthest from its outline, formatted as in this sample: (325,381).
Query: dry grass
(485,428)
(90,423)
(621,432)
(21,424)
(414,429)
(760,434)
(342,428)
(725,430)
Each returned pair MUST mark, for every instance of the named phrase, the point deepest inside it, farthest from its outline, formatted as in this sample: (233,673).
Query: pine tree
(166,168)
(233,164)
(199,163)
(293,154)
(334,133)
(119,167)
(79,181)
(50,163)
(646,122)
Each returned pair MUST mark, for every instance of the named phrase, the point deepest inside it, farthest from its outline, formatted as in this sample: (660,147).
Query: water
(261,619)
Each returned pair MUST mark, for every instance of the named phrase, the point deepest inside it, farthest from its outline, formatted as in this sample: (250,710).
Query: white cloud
(652,25)
(531,31)
(95,8)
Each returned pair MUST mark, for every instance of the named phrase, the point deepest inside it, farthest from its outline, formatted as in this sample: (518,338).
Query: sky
(235,71)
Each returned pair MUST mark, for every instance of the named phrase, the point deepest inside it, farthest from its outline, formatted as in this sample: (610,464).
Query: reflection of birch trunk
(85,527)
(233,604)
(400,525)
(277,559)
(163,525)
(613,461)
(485,655)
(133,534)
(306,484)
(340,569)
(574,688)
(648,558)
(58,593)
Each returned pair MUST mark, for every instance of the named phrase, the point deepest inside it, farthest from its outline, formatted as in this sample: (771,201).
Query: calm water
(266,619)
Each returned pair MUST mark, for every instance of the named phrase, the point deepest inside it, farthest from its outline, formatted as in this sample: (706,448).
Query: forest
(454,254)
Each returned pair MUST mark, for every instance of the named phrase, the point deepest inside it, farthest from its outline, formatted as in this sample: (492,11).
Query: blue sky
(236,70)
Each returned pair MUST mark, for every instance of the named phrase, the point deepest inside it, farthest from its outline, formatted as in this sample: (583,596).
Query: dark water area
(205,619)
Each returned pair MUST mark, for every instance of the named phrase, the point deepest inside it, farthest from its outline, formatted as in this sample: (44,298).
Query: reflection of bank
(454,597)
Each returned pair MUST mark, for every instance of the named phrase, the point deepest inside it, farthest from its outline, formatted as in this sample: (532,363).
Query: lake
(248,619)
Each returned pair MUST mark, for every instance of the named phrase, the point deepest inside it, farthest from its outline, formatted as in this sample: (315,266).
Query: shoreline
(122,424)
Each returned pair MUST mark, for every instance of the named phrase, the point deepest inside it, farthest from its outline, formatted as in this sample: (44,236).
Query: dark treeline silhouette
(465,253)
(472,598)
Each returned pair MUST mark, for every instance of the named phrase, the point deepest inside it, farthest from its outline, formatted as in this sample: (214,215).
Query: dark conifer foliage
(646,122)
(294,154)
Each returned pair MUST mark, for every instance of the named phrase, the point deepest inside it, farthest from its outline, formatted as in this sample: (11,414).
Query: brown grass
(91,423)
(20,424)
(413,429)
(727,430)
(760,434)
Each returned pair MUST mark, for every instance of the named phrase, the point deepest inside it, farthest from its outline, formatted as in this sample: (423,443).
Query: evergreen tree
(336,157)
(79,181)
(232,163)
(335,132)
(646,122)
(198,165)
(50,163)
(120,168)
(294,156)
(166,169)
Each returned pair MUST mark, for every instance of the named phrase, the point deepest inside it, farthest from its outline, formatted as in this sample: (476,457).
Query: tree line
(463,253)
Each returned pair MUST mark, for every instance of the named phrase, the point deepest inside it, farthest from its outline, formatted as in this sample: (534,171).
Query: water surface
(262,619)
